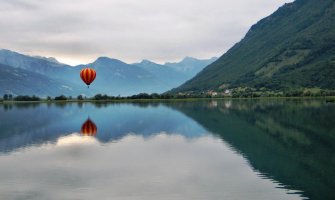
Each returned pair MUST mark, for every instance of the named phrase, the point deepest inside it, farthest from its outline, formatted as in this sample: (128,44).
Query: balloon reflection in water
(89,128)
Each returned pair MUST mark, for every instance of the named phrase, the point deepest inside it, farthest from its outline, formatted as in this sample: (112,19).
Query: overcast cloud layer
(78,31)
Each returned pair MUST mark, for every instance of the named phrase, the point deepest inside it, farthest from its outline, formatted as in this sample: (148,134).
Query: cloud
(161,30)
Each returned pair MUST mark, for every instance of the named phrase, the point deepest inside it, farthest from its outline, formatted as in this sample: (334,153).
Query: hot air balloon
(88,75)
(89,128)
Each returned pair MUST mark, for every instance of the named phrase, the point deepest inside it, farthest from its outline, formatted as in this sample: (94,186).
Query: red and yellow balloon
(88,75)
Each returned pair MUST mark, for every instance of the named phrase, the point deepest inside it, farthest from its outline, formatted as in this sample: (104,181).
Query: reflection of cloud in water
(74,139)
(159,167)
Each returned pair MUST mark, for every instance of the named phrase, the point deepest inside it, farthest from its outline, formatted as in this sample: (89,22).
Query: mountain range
(36,75)
(294,48)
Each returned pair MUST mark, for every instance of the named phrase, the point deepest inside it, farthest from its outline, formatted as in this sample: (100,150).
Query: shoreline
(327,98)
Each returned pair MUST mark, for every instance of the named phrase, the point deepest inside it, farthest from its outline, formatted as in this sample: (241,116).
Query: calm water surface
(234,150)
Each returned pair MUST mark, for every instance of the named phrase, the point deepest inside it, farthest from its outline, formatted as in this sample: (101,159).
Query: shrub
(27,98)
(61,98)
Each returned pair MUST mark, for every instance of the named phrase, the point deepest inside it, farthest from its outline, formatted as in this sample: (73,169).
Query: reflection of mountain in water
(33,124)
(289,141)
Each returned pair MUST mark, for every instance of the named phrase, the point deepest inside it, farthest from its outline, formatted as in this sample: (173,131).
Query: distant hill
(114,77)
(190,66)
(169,77)
(51,59)
(19,81)
(292,48)
(45,73)
(175,74)
(118,78)
(46,66)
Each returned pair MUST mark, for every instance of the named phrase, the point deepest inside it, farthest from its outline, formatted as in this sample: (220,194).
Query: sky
(79,31)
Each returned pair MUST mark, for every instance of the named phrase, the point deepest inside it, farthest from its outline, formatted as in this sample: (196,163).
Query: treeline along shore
(8,98)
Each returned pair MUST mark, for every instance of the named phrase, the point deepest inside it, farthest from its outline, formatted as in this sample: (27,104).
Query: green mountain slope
(292,48)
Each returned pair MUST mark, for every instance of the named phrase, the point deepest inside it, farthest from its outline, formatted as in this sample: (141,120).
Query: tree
(27,98)
(98,97)
(5,97)
(80,97)
(61,98)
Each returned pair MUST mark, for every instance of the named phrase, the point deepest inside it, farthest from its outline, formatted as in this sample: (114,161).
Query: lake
(206,150)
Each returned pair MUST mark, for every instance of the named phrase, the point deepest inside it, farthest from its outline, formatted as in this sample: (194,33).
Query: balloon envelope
(89,128)
(88,75)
